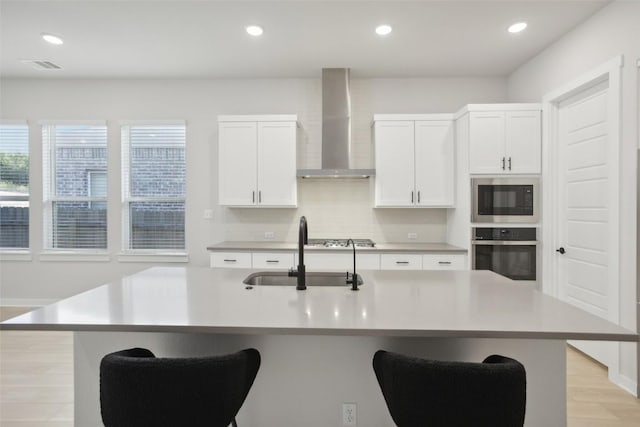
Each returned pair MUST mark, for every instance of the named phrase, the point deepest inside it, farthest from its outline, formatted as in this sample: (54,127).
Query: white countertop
(390,303)
(379,248)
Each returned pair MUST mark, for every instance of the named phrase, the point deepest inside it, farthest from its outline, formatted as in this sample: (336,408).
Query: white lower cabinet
(444,262)
(272,260)
(230,260)
(401,262)
(340,261)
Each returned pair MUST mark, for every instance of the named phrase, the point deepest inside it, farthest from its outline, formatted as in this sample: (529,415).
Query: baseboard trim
(26,302)
(625,383)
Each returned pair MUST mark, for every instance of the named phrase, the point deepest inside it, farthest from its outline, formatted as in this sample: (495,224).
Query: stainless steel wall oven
(510,252)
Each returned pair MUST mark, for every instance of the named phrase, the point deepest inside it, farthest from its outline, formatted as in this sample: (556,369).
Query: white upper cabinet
(434,165)
(277,164)
(394,153)
(257,161)
(524,141)
(504,141)
(414,160)
(237,163)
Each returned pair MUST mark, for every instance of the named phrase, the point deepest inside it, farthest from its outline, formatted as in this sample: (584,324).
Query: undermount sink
(281,278)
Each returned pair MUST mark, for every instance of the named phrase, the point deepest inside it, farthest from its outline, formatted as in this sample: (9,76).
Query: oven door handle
(504,242)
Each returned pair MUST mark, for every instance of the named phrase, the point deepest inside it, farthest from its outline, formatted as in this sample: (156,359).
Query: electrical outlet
(208,214)
(269,235)
(349,414)
(412,236)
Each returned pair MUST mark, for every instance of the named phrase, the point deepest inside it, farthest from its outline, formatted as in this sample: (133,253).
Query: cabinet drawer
(444,262)
(342,261)
(231,260)
(400,262)
(275,260)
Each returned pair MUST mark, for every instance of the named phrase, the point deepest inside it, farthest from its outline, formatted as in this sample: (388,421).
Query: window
(14,185)
(75,208)
(97,187)
(153,167)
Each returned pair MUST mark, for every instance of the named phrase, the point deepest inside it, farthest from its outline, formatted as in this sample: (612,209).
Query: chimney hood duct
(336,129)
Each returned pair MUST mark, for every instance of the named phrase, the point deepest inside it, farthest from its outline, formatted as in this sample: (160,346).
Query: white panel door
(523,142)
(486,143)
(435,170)
(237,163)
(277,164)
(584,218)
(394,152)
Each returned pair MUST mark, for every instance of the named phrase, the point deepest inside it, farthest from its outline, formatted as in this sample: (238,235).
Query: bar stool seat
(431,393)
(139,389)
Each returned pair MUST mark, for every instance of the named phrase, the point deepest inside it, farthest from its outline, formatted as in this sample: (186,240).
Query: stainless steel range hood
(336,129)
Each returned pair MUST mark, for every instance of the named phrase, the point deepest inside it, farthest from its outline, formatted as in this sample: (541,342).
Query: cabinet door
(277,164)
(237,163)
(272,260)
(444,262)
(486,143)
(400,262)
(230,260)
(394,152)
(339,261)
(434,163)
(523,142)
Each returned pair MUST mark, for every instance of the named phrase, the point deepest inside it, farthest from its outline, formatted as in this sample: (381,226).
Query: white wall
(199,102)
(613,31)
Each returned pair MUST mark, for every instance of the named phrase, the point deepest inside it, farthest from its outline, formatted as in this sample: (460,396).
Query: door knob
(561,250)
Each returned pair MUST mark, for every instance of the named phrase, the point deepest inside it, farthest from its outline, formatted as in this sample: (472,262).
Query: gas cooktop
(341,243)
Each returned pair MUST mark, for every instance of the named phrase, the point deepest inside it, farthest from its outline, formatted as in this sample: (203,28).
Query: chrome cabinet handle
(412,197)
(260,195)
(230,260)
(509,163)
(253,197)
(444,262)
(402,262)
(273,260)
(418,197)
(503,163)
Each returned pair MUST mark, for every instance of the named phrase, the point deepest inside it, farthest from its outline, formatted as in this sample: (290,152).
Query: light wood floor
(36,384)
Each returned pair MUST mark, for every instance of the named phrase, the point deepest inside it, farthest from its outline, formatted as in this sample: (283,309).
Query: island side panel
(304,380)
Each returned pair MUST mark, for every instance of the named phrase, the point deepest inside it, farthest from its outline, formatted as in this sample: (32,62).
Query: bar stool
(139,389)
(431,393)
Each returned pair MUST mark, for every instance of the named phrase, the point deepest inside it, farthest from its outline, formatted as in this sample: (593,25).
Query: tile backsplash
(336,209)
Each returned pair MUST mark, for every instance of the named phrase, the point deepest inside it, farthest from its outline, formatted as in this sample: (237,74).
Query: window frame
(49,196)
(90,180)
(22,253)
(146,255)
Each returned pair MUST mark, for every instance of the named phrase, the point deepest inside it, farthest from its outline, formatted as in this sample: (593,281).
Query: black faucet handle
(353,282)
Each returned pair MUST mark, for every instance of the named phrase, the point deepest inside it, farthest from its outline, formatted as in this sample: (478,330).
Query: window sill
(144,256)
(74,256)
(15,255)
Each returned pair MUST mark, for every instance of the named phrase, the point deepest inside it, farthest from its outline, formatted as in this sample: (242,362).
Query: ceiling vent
(40,64)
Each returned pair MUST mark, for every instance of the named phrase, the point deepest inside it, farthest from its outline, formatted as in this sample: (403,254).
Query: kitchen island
(317,345)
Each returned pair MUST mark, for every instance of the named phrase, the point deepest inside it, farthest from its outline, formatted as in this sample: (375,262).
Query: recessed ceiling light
(254,30)
(383,30)
(50,38)
(517,27)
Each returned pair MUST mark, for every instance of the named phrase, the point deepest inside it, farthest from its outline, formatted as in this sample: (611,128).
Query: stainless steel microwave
(505,200)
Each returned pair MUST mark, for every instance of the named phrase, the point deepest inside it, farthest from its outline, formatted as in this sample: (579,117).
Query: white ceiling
(203,39)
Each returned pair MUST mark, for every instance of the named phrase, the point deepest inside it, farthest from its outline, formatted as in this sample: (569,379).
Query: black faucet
(354,278)
(303,239)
